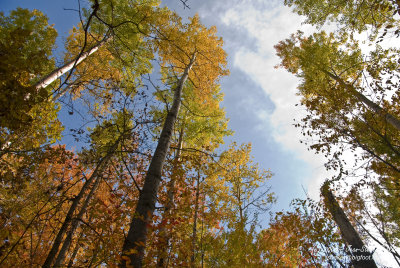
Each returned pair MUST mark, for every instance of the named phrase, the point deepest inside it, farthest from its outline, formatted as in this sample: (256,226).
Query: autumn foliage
(144,176)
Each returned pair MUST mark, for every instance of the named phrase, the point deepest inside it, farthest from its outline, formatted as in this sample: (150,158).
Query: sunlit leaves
(215,196)
(26,43)
(350,15)
(30,219)
(176,43)
(332,70)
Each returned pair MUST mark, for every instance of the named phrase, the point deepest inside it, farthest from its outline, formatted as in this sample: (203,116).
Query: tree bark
(194,232)
(359,254)
(57,73)
(391,119)
(76,249)
(57,242)
(75,224)
(164,237)
(134,244)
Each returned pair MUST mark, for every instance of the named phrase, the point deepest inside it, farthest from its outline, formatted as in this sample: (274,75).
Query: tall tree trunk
(134,244)
(391,119)
(57,73)
(194,233)
(76,248)
(74,253)
(75,224)
(202,232)
(57,242)
(164,236)
(360,256)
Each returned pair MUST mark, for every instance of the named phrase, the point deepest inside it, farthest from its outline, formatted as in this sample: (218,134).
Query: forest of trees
(149,183)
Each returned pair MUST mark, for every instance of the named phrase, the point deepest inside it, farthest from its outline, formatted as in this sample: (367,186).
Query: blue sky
(259,99)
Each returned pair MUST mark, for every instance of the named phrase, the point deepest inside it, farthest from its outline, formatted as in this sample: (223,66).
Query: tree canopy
(148,180)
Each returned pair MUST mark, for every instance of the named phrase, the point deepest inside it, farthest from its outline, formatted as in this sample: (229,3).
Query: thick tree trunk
(57,242)
(164,236)
(134,244)
(57,73)
(391,119)
(359,254)
(75,224)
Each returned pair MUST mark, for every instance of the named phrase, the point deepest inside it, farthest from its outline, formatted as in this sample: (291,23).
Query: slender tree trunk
(332,252)
(75,224)
(57,73)
(194,233)
(164,236)
(57,242)
(68,218)
(202,232)
(76,248)
(134,244)
(359,254)
(93,259)
(391,119)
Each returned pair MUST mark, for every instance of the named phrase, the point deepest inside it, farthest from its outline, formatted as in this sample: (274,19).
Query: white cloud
(267,27)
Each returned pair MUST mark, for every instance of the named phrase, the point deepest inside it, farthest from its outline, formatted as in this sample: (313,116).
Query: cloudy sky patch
(267,25)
